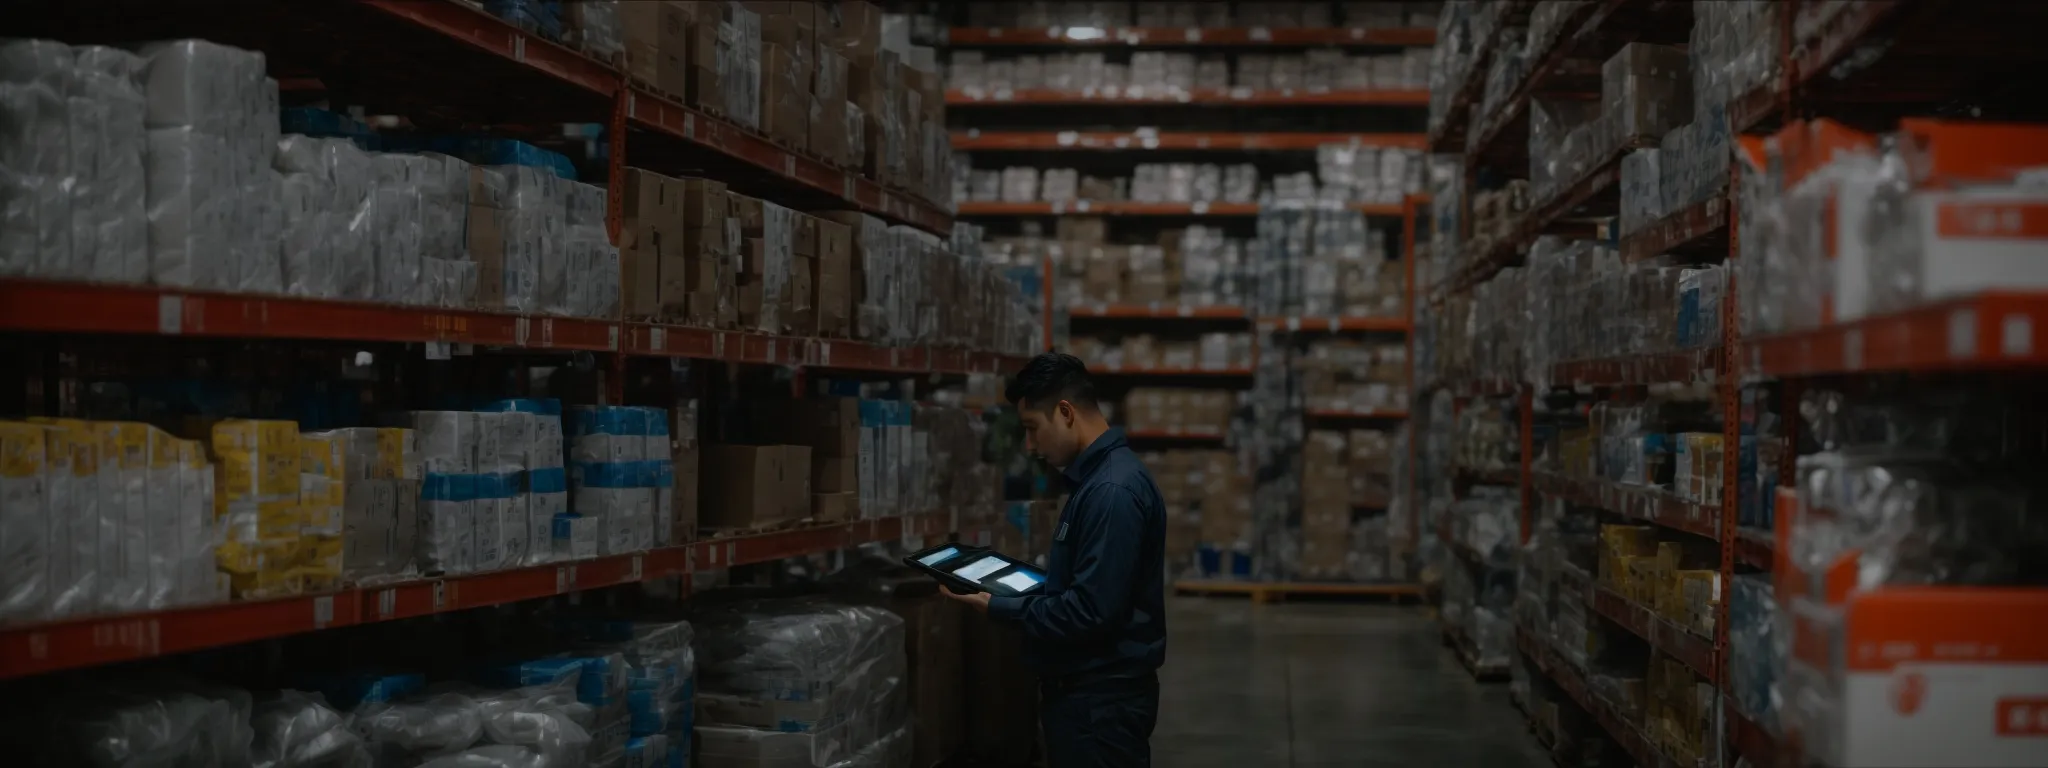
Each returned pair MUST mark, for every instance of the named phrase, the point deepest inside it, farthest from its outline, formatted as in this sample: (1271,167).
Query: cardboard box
(834,507)
(835,474)
(657,43)
(801,319)
(749,486)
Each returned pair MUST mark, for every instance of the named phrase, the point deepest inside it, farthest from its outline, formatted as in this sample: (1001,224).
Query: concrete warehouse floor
(1323,684)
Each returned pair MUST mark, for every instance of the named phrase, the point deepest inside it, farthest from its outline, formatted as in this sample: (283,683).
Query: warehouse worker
(1097,632)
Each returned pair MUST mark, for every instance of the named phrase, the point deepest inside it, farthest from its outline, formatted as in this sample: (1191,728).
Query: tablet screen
(1022,581)
(940,556)
(979,568)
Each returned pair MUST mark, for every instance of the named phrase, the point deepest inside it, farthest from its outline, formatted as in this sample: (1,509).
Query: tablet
(966,569)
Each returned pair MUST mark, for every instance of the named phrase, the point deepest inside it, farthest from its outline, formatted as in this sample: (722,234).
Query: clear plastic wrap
(25,523)
(798,677)
(439,724)
(141,723)
(298,730)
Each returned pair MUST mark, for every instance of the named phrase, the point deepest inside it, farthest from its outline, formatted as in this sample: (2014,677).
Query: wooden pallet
(1275,591)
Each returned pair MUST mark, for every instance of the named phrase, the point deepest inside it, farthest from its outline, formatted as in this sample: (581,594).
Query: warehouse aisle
(1312,685)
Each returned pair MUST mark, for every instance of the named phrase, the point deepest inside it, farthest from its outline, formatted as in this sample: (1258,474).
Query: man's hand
(978,600)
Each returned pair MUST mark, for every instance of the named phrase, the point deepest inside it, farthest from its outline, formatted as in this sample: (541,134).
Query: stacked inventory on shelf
(1287,255)
(395,412)
(1706,535)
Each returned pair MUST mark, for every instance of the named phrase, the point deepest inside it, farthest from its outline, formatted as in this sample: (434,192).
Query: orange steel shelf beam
(96,641)
(1169,37)
(60,307)
(1155,140)
(1990,330)
(1210,97)
(1676,230)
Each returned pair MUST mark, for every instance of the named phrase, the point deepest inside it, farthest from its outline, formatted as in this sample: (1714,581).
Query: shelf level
(1650,505)
(1624,731)
(1169,141)
(60,307)
(1679,231)
(98,641)
(1661,633)
(1212,97)
(1689,366)
(1173,37)
(481,33)
(1152,312)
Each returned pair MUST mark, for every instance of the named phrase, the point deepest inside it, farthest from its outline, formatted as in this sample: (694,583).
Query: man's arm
(1110,529)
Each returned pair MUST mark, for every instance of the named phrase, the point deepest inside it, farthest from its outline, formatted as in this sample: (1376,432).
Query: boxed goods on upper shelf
(1159,73)
(1176,410)
(1938,210)
(1645,92)
(1323,260)
(1354,376)
(1145,352)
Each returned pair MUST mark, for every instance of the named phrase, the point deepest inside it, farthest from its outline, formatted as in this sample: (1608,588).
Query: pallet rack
(449,57)
(967,138)
(1992,330)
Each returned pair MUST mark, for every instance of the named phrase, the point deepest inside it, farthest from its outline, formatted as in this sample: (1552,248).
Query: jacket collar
(1092,456)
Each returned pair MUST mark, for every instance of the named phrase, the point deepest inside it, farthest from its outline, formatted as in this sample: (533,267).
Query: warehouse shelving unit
(1165,138)
(477,57)
(1989,331)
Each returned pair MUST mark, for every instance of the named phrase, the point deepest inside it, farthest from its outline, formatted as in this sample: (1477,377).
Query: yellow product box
(322,567)
(323,454)
(257,460)
(1642,576)
(268,568)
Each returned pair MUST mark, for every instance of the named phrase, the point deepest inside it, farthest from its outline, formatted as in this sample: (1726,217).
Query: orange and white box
(1921,677)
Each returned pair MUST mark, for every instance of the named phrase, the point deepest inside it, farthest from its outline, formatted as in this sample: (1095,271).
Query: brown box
(803,234)
(656,40)
(749,486)
(834,507)
(801,319)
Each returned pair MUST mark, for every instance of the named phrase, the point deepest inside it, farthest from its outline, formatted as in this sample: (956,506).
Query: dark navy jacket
(1103,611)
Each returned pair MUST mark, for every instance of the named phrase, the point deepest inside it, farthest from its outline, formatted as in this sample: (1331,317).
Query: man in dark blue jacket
(1097,632)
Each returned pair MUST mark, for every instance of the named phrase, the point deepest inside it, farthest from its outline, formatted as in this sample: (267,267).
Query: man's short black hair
(1050,378)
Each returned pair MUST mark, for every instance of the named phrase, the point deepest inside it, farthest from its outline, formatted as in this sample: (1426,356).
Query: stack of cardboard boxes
(753,487)
(678,251)
(1353,376)
(1179,411)
(829,428)
(1204,493)
(1325,506)
(1676,579)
